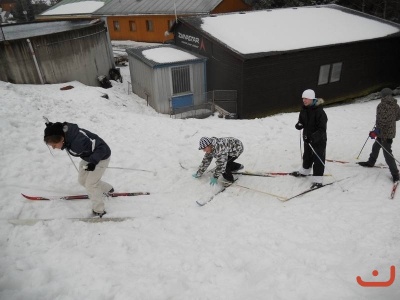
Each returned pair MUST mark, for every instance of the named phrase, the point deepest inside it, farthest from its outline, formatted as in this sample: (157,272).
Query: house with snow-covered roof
(140,20)
(72,9)
(269,57)
(170,79)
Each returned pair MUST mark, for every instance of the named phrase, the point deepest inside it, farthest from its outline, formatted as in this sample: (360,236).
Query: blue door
(182,101)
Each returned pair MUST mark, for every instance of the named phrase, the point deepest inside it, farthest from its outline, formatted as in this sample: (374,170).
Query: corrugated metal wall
(163,90)
(155,86)
(142,77)
(163,86)
(82,54)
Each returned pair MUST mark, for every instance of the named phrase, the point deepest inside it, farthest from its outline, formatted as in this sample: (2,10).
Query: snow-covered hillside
(245,244)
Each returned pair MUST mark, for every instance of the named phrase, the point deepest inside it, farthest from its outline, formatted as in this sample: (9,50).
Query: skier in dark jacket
(313,121)
(93,151)
(387,113)
(225,150)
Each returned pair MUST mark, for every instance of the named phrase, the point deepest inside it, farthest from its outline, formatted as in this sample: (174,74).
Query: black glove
(307,139)
(299,126)
(90,167)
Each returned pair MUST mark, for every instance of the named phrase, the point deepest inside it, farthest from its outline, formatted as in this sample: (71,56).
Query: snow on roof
(29,30)
(167,55)
(137,7)
(162,55)
(292,28)
(82,7)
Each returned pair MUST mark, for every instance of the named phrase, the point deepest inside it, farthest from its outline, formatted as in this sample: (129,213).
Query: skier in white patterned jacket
(225,150)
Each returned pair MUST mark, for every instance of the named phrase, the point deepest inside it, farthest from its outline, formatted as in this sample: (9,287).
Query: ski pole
(362,147)
(365,143)
(270,194)
(69,155)
(376,140)
(131,169)
(309,144)
(301,155)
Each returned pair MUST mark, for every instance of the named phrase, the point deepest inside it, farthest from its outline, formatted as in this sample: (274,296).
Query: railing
(200,111)
(223,101)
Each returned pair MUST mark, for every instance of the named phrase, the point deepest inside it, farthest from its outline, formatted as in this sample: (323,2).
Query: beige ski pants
(94,186)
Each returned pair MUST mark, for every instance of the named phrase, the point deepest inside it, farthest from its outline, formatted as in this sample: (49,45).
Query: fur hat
(54,129)
(204,142)
(386,92)
(309,94)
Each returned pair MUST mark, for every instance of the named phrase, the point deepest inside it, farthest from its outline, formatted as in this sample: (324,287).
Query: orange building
(143,20)
(7,5)
(149,20)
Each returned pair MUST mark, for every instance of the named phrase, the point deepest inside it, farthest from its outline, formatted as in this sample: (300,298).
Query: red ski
(394,188)
(81,197)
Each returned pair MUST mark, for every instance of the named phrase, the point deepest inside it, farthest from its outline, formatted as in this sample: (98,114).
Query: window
(324,74)
(330,73)
(180,79)
(336,71)
(149,25)
(132,25)
(116,25)
(170,23)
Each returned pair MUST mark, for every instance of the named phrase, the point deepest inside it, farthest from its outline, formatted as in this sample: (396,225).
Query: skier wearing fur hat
(313,121)
(225,150)
(387,113)
(93,151)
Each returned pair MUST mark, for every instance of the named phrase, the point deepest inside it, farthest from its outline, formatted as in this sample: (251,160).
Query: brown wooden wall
(7,6)
(231,6)
(160,24)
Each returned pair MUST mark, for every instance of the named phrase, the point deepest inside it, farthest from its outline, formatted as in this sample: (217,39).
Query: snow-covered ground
(245,244)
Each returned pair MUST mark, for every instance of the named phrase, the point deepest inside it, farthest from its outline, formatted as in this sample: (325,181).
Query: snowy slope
(245,244)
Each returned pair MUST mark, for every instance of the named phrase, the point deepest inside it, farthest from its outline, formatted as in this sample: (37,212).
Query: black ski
(225,186)
(306,191)
(269,174)
(310,190)
(354,164)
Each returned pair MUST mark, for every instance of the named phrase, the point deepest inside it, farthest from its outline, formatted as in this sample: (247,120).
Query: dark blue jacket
(85,144)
